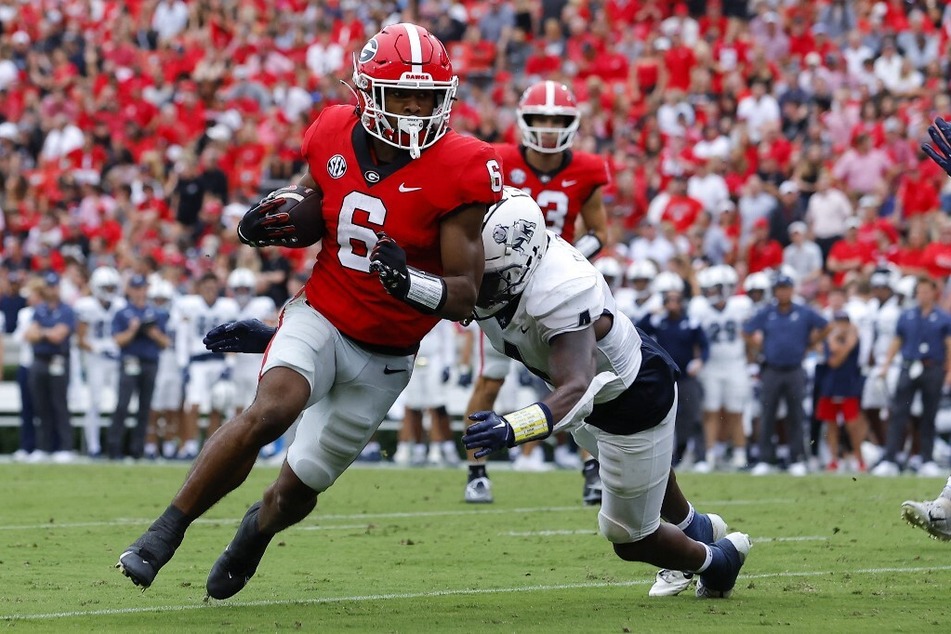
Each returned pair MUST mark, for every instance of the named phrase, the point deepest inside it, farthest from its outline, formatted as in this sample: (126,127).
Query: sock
(707,561)
(590,464)
(687,520)
(173,522)
(477,471)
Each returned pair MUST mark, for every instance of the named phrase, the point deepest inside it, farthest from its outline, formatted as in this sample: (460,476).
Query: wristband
(589,244)
(426,292)
(530,423)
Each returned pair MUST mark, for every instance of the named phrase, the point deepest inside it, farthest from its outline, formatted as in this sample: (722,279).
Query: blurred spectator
(827,213)
(763,252)
(784,331)
(49,332)
(923,337)
(804,258)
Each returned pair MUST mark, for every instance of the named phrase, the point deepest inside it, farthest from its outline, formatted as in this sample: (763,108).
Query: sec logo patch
(336,166)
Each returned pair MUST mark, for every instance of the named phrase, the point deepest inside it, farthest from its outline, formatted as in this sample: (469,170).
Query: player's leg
(713,400)
(92,421)
(933,516)
(899,415)
(635,471)
(493,366)
(441,437)
(331,435)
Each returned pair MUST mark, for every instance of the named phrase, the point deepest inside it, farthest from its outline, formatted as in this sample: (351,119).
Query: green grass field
(393,550)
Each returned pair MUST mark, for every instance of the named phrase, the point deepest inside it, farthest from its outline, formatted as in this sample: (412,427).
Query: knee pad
(614,531)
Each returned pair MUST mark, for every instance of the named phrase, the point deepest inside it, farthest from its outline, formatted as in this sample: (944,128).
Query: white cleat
(886,469)
(479,491)
(670,583)
(933,516)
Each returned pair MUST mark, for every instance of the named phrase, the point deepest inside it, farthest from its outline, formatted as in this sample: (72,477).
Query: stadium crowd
(778,139)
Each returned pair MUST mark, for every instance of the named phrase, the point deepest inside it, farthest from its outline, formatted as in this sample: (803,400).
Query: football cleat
(706,528)
(145,557)
(933,516)
(729,553)
(238,563)
(593,487)
(479,491)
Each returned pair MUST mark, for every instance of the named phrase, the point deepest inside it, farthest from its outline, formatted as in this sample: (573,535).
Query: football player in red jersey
(346,343)
(567,185)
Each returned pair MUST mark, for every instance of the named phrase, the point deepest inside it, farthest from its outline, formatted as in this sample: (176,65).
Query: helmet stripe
(550,93)
(415,48)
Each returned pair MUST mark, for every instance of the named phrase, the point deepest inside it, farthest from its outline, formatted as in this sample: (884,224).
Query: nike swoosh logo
(388,370)
(568,183)
(405,189)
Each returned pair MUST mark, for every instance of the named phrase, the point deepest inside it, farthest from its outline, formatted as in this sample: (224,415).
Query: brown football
(304,207)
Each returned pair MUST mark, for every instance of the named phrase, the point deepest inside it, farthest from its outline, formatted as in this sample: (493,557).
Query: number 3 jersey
(406,199)
(562,193)
(724,328)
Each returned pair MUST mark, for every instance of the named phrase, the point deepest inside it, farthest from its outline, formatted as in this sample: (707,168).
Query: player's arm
(451,295)
(594,225)
(82,332)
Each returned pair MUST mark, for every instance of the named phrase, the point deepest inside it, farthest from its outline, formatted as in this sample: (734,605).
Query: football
(303,205)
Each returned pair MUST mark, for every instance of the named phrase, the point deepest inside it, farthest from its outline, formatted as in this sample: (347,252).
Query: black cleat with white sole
(145,557)
(238,563)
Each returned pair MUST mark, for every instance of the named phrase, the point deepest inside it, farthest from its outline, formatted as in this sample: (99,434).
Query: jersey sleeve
(82,308)
(481,178)
(574,305)
(310,137)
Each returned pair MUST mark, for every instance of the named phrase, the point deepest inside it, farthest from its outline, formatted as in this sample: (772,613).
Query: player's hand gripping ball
(288,217)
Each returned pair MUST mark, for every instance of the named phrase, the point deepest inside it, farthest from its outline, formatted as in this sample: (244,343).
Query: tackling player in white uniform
(197,314)
(100,354)
(726,386)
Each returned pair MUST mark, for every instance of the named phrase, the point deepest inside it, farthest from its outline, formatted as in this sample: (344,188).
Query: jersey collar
(372,171)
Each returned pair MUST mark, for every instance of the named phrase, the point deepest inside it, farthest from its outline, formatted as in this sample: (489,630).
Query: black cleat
(238,563)
(145,557)
(591,494)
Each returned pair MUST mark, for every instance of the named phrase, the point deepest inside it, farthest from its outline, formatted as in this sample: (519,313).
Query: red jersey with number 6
(407,199)
(561,193)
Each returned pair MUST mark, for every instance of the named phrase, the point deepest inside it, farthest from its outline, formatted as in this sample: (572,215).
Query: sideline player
(197,314)
(546,306)
(100,354)
(726,385)
(167,396)
(401,251)
(567,185)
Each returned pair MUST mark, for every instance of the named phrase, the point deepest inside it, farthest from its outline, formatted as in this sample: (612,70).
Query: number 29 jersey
(406,199)
(724,328)
(562,193)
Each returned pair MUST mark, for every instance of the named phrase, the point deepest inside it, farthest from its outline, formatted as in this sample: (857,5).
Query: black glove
(389,260)
(490,432)
(247,335)
(261,228)
(423,291)
(940,132)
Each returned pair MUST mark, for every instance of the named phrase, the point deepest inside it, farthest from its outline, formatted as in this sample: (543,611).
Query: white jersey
(566,294)
(884,324)
(247,366)
(195,319)
(98,318)
(626,300)
(168,360)
(724,328)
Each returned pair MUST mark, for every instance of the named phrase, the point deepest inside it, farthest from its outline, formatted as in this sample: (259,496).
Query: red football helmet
(548,98)
(405,57)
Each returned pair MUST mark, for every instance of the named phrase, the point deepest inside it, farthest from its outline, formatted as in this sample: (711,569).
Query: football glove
(940,133)
(261,228)
(423,291)
(465,376)
(247,335)
(492,432)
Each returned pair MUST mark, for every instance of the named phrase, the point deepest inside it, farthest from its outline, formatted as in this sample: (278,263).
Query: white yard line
(125,521)
(423,595)
(560,532)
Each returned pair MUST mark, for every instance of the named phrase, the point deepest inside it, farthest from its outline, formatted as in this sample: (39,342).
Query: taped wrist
(426,292)
(589,244)
(530,423)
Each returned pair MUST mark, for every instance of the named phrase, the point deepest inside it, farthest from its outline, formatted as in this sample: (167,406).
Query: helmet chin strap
(411,127)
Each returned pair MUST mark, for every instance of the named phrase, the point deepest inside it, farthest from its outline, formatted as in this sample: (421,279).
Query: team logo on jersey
(369,51)
(336,166)
(517,177)
(371,176)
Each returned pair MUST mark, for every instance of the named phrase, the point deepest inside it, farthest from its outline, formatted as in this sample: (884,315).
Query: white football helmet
(757,282)
(515,240)
(668,282)
(906,288)
(105,282)
(610,269)
(161,290)
(639,275)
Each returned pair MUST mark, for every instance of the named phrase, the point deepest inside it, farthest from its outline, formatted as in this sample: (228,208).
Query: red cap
(761,223)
